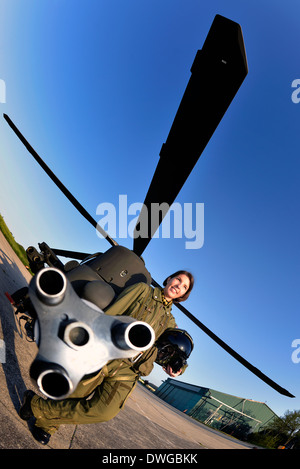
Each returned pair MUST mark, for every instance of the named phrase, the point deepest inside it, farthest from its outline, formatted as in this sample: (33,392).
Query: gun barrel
(51,286)
(136,335)
(52,379)
(75,337)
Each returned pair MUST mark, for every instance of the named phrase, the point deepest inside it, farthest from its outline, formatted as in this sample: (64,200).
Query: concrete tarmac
(146,422)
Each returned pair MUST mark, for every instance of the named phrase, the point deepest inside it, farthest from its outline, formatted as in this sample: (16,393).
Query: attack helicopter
(90,282)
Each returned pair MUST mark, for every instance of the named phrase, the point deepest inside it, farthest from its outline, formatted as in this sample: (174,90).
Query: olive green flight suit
(99,397)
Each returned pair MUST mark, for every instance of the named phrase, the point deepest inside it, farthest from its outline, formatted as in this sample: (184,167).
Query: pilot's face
(176,287)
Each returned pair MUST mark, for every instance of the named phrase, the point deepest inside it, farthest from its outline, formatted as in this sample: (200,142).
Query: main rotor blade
(217,73)
(229,350)
(59,184)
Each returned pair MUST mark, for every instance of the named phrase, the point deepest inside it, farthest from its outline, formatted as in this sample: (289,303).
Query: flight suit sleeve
(183,369)
(146,366)
(129,301)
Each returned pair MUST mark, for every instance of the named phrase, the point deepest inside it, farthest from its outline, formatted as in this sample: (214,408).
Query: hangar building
(236,416)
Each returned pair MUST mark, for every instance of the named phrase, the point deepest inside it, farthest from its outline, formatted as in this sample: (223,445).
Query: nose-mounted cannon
(75,337)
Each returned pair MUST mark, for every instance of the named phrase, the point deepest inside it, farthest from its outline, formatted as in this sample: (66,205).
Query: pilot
(100,396)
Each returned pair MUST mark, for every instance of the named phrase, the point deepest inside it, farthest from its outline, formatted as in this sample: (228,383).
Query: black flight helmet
(174,347)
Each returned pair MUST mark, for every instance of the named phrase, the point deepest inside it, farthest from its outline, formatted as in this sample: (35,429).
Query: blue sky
(94,86)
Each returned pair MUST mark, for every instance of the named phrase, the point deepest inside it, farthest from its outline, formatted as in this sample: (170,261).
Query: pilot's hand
(170,372)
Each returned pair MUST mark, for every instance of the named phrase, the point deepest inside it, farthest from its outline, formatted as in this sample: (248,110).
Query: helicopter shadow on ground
(11,279)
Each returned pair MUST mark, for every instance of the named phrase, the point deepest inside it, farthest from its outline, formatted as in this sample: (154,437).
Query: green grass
(19,250)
